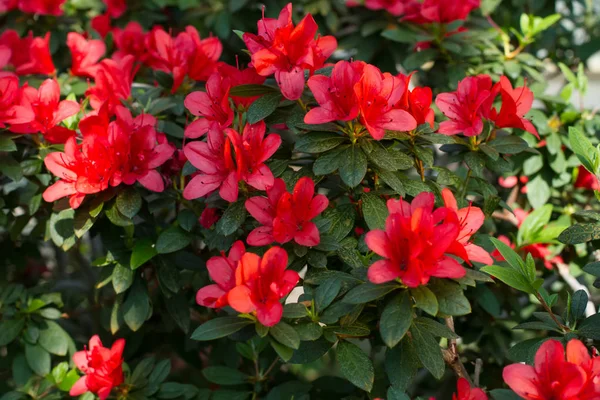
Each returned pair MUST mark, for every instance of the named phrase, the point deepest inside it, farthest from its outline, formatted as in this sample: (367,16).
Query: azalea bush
(325,199)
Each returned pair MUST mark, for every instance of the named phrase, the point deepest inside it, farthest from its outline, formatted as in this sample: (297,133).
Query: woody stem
(549,311)
(420,168)
(451,356)
(268,371)
(463,193)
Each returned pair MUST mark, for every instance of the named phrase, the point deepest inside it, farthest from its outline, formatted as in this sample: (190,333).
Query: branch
(565,273)
(451,356)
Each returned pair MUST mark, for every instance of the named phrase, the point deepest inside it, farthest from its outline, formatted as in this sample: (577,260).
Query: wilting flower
(49,112)
(555,378)
(586,180)
(113,82)
(130,41)
(287,216)
(212,106)
(284,50)
(85,54)
(466,392)
(222,271)
(103,368)
(261,283)
(238,77)
(29,55)
(42,7)
(11,112)
(416,243)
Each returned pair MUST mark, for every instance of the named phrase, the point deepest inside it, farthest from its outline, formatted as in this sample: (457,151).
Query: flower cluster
(423,12)
(250,283)
(418,241)
(555,377)
(42,7)
(28,55)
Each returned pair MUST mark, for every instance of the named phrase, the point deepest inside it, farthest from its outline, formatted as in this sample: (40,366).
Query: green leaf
(450,297)
(285,335)
(538,191)
(263,107)
(142,370)
(393,181)
(326,293)
(309,331)
(402,363)
(187,220)
(160,371)
(318,142)
(368,292)
(172,239)
(396,319)
(389,160)
(68,381)
(580,233)
(425,300)
(353,167)
(476,163)
(60,371)
(399,34)
(129,202)
(374,211)
(7,144)
(509,144)
(10,329)
(329,162)
(417,58)
(429,351)
(533,224)
(355,365)
(114,215)
(224,375)
(178,309)
(583,149)
(219,327)
(510,277)
(284,352)
(294,310)
(435,328)
(590,327)
(578,304)
(122,278)
(504,394)
(251,90)
(38,359)
(593,268)
(54,339)
(10,167)
(232,218)
(143,251)
(511,257)
(136,308)
(171,129)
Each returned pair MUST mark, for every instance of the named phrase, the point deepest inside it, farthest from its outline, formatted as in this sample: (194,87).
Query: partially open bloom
(287,216)
(284,50)
(555,378)
(130,40)
(212,106)
(586,180)
(29,55)
(42,7)
(49,112)
(416,243)
(103,368)
(11,112)
(466,392)
(261,283)
(85,54)
(113,82)
(222,271)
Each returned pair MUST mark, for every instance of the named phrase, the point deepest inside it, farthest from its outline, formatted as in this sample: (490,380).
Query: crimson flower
(438,11)
(115,8)
(287,216)
(130,41)
(470,219)
(42,7)
(417,102)
(85,54)
(209,217)
(261,283)
(555,378)
(222,271)
(103,368)
(11,112)
(29,55)
(284,50)
(8,5)
(415,243)
(101,24)
(49,112)
(335,94)
(586,180)
(212,106)
(113,82)
(376,94)
(238,77)
(394,7)
(466,392)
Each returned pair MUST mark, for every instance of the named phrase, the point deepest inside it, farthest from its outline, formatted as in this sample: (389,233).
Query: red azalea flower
(8,5)
(539,251)
(130,41)
(415,242)
(209,217)
(29,55)
(11,111)
(113,82)
(222,271)
(103,368)
(286,51)
(203,62)
(438,11)
(287,216)
(586,180)
(394,7)
(212,105)
(49,112)
(466,392)
(101,24)
(470,219)
(579,355)
(464,107)
(376,94)
(115,8)
(261,283)
(335,94)
(552,377)
(85,54)
(417,102)
(42,7)
(238,77)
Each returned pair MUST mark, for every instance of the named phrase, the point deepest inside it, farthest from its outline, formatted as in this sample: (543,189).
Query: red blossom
(101,24)
(209,217)
(49,112)
(42,7)
(8,5)
(103,368)
(261,283)
(115,8)
(11,111)
(515,104)
(29,55)
(238,77)
(130,41)
(417,102)
(438,11)
(394,7)
(113,82)
(555,378)
(287,216)
(415,243)
(85,54)
(284,50)
(466,392)
(586,180)
(222,271)
(212,106)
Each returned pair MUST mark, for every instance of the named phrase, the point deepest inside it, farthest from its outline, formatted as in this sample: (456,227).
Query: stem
(451,356)
(463,192)
(549,311)
(478,368)
(268,371)
(420,168)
